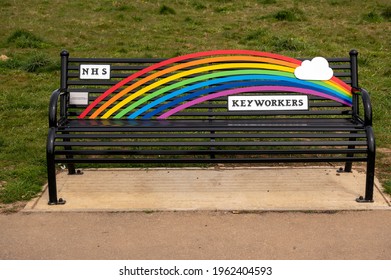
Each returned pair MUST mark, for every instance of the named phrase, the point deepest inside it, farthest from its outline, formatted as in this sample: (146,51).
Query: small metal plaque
(78,98)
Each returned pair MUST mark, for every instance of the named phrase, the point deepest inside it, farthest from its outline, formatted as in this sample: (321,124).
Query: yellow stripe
(339,88)
(195,71)
(185,65)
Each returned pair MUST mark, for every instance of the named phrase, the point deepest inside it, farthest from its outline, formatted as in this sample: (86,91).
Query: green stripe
(198,79)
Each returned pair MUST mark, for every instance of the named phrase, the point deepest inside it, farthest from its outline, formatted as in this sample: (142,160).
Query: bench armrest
(54,99)
(366,104)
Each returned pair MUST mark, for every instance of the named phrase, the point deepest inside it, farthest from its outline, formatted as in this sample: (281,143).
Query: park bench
(224,106)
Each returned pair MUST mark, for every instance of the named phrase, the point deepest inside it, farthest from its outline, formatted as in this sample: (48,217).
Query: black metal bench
(228,106)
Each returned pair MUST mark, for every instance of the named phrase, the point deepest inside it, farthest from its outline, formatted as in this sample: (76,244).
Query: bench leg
(348,164)
(370,167)
(70,166)
(71,169)
(51,169)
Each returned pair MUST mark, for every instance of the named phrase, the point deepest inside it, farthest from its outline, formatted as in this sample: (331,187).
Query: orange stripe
(185,65)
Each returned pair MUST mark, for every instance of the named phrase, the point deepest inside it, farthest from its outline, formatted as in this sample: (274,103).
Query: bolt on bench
(224,106)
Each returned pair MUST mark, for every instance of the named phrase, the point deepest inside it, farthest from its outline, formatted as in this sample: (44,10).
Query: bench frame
(60,128)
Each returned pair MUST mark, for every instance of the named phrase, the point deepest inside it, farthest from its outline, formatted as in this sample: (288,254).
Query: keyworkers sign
(268,103)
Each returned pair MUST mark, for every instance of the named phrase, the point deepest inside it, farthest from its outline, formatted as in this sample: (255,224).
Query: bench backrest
(214,84)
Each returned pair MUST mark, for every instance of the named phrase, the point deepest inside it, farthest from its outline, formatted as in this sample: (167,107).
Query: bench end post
(51,169)
(370,167)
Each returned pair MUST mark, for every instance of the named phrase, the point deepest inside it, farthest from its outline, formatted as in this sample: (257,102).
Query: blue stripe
(254,80)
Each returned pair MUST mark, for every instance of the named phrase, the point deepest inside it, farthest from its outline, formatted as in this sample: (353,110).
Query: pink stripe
(241,90)
(177,59)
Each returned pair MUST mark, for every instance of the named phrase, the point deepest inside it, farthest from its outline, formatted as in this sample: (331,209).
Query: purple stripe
(247,89)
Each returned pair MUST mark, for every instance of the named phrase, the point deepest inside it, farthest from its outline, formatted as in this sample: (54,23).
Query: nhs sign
(94,72)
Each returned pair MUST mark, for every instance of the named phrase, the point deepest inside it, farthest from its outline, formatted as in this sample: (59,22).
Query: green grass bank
(34,32)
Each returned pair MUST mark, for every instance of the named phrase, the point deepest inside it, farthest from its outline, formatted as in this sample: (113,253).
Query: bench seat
(154,141)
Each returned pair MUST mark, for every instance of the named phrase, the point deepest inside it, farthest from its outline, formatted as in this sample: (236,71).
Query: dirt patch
(386,151)
(12,207)
(385,155)
(3,57)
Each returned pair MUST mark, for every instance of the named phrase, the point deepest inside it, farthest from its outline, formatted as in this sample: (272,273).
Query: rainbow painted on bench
(244,71)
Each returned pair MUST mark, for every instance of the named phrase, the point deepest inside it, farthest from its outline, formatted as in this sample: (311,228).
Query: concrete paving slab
(220,188)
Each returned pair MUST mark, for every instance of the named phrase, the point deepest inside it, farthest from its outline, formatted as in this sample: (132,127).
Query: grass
(387,187)
(294,14)
(166,10)
(34,62)
(34,32)
(25,39)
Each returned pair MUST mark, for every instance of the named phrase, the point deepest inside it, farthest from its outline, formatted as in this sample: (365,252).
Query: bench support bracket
(60,201)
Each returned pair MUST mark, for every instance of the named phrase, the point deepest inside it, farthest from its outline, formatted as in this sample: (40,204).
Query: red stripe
(180,58)
(341,83)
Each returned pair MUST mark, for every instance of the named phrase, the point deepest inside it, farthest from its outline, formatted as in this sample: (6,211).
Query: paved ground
(222,188)
(196,235)
(106,232)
